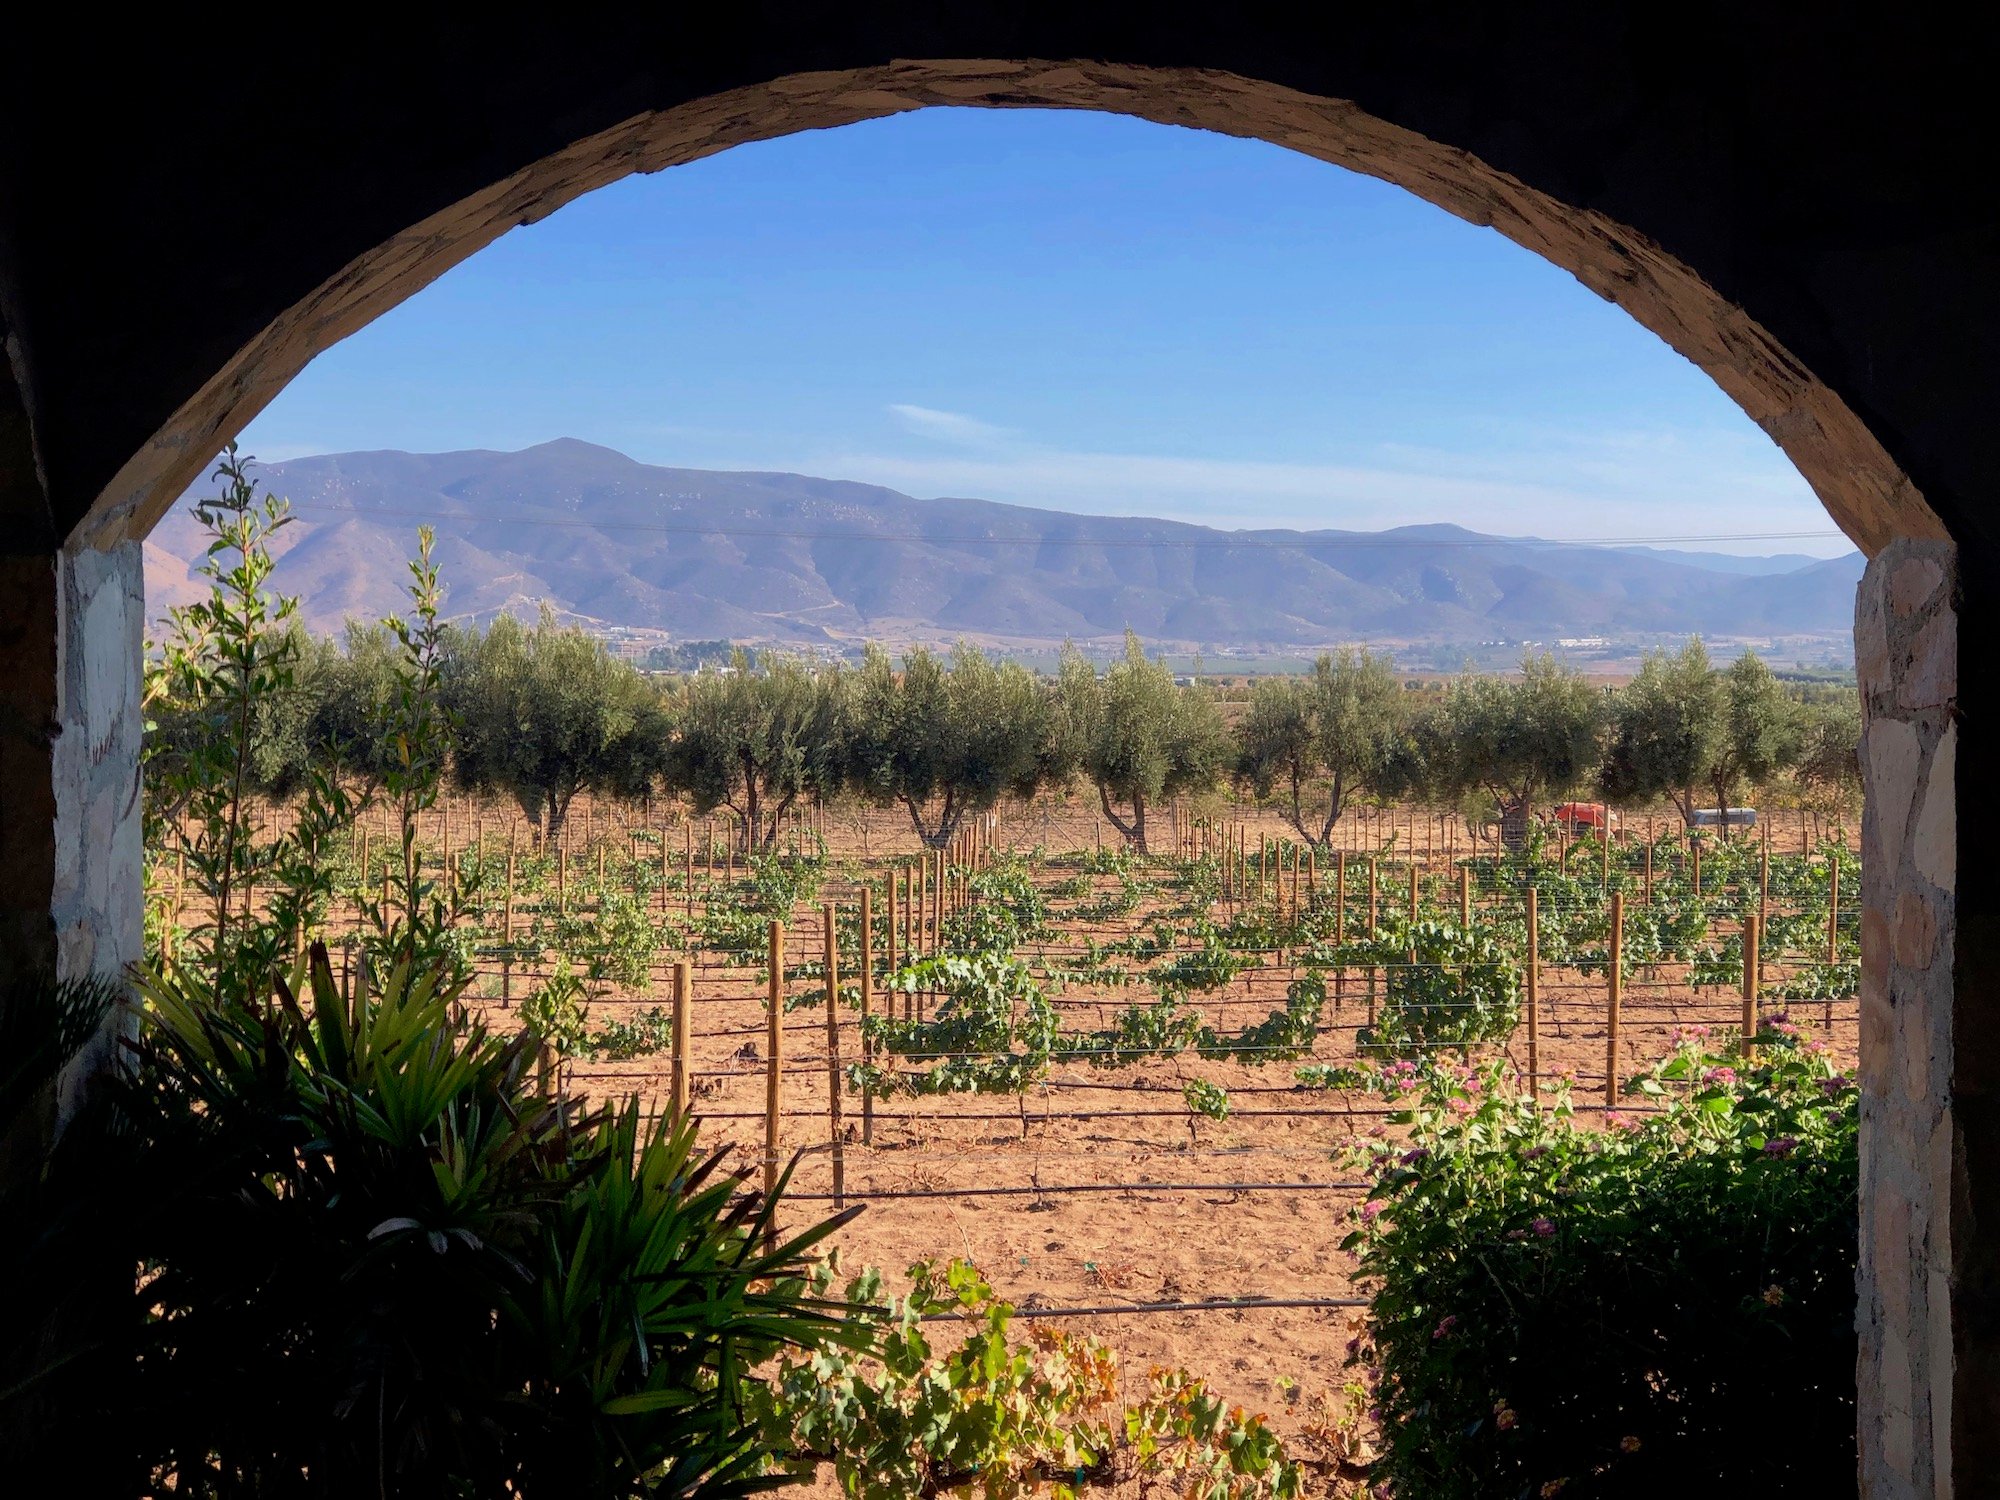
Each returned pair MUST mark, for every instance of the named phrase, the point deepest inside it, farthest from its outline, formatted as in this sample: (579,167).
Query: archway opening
(1107,1255)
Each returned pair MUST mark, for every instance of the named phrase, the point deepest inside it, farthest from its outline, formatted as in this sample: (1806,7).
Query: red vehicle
(1584,817)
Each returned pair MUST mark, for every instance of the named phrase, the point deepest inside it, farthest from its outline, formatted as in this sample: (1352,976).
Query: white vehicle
(1714,817)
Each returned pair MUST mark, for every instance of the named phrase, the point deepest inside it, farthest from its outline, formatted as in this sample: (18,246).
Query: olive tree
(1683,725)
(1135,734)
(945,740)
(545,713)
(1520,741)
(1326,737)
(1667,731)
(1826,764)
(756,741)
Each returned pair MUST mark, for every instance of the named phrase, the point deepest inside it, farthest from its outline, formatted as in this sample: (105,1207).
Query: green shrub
(999,1417)
(1659,1309)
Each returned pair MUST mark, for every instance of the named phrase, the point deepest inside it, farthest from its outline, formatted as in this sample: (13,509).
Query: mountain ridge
(767,556)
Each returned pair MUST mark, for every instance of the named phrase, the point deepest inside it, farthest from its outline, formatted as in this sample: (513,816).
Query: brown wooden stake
(1465,897)
(1649,870)
(832,953)
(1416,885)
(1374,894)
(774,1053)
(867,973)
(1752,964)
(683,994)
(1614,996)
(1534,976)
(1832,925)
(507,939)
(562,877)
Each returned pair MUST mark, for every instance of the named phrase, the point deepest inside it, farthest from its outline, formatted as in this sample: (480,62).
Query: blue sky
(1064,309)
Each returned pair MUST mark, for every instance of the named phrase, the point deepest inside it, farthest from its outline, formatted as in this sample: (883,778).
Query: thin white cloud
(948,426)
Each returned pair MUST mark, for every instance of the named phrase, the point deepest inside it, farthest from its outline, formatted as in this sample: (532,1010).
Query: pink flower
(1408,1158)
(1371,1208)
(1504,1419)
(1543,1228)
(1445,1326)
(1834,1084)
(1460,1105)
(1723,1075)
(1615,1120)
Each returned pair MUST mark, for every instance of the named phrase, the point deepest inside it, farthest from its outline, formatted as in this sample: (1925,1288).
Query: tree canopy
(1322,738)
(1135,734)
(945,740)
(755,742)
(545,713)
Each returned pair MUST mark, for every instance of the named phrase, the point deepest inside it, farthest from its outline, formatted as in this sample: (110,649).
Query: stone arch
(1877,398)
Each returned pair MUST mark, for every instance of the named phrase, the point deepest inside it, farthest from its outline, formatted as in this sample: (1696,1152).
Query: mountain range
(787,558)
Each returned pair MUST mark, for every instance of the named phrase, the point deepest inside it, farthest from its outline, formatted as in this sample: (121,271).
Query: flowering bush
(1645,1310)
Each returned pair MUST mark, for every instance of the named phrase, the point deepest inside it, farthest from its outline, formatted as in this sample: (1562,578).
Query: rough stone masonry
(1906,656)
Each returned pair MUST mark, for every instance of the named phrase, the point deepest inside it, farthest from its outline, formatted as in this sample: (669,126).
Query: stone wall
(71,643)
(1906,649)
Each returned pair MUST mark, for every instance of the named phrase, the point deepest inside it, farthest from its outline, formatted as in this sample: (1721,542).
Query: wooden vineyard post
(683,986)
(1339,925)
(1752,962)
(1465,897)
(664,866)
(1615,994)
(937,905)
(1694,869)
(1374,893)
(507,939)
(1764,878)
(867,973)
(600,866)
(1832,927)
(1604,876)
(562,877)
(1295,882)
(832,954)
(1534,978)
(1649,868)
(1312,873)
(774,1064)
(1416,885)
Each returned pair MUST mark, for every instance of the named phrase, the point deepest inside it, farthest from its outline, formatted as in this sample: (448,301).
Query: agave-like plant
(374,1259)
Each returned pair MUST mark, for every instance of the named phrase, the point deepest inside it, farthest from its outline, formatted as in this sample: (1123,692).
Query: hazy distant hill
(787,557)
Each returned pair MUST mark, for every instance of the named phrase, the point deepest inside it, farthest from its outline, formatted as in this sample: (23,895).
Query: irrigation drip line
(1131,1309)
(1015,1116)
(1041,1190)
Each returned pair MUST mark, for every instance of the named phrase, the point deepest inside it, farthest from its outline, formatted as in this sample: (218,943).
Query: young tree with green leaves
(1522,741)
(547,713)
(755,742)
(945,739)
(1136,734)
(1759,731)
(1325,737)
(209,694)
